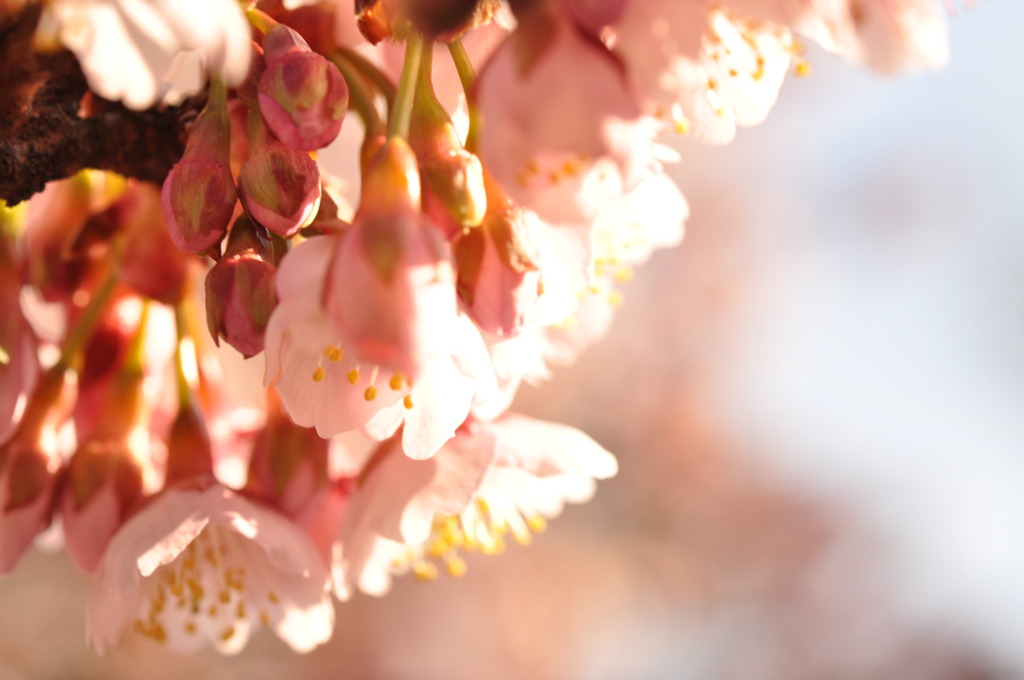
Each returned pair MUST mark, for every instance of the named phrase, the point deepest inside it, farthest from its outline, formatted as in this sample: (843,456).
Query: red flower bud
(280,187)
(199,194)
(240,292)
(302,96)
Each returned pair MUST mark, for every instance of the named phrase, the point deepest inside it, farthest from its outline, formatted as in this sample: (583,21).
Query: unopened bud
(288,466)
(453,178)
(199,194)
(240,291)
(280,186)
(446,20)
(391,285)
(26,488)
(375,18)
(28,467)
(498,276)
(102,482)
(316,25)
(302,96)
(189,451)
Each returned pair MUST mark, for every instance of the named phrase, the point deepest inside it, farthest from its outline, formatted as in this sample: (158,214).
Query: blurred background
(818,407)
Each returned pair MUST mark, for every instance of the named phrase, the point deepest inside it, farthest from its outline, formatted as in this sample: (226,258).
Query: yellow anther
(240,613)
(272,596)
(456,567)
(353,376)
(213,610)
(396,382)
(370,394)
(190,627)
(424,571)
(481,505)
(407,401)
(158,633)
(264,618)
(319,374)
(224,597)
(227,634)
(334,353)
(616,298)
(496,546)
(537,523)
(624,274)
(802,69)
(523,537)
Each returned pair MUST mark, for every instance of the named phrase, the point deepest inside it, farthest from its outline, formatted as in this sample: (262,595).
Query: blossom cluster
(399,211)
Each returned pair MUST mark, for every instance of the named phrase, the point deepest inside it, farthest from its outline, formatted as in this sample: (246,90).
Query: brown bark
(44,136)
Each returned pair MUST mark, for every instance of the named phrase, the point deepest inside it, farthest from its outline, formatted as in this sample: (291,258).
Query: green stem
(180,371)
(467,75)
(86,322)
(135,359)
(261,20)
(370,72)
(358,96)
(400,113)
(278,247)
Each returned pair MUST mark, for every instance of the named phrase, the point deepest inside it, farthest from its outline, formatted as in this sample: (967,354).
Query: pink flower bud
(390,286)
(499,279)
(26,488)
(453,178)
(240,291)
(288,467)
(302,96)
(280,186)
(102,483)
(189,450)
(28,466)
(199,194)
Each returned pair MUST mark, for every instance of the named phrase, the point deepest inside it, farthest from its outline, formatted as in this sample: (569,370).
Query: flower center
(360,376)
(481,527)
(216,589)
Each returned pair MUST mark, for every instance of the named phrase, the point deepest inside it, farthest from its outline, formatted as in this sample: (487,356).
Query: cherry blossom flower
(323,384)
(901,35)
(206,566)
(137,52)
(587,140)
(493,480)
(700,67)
